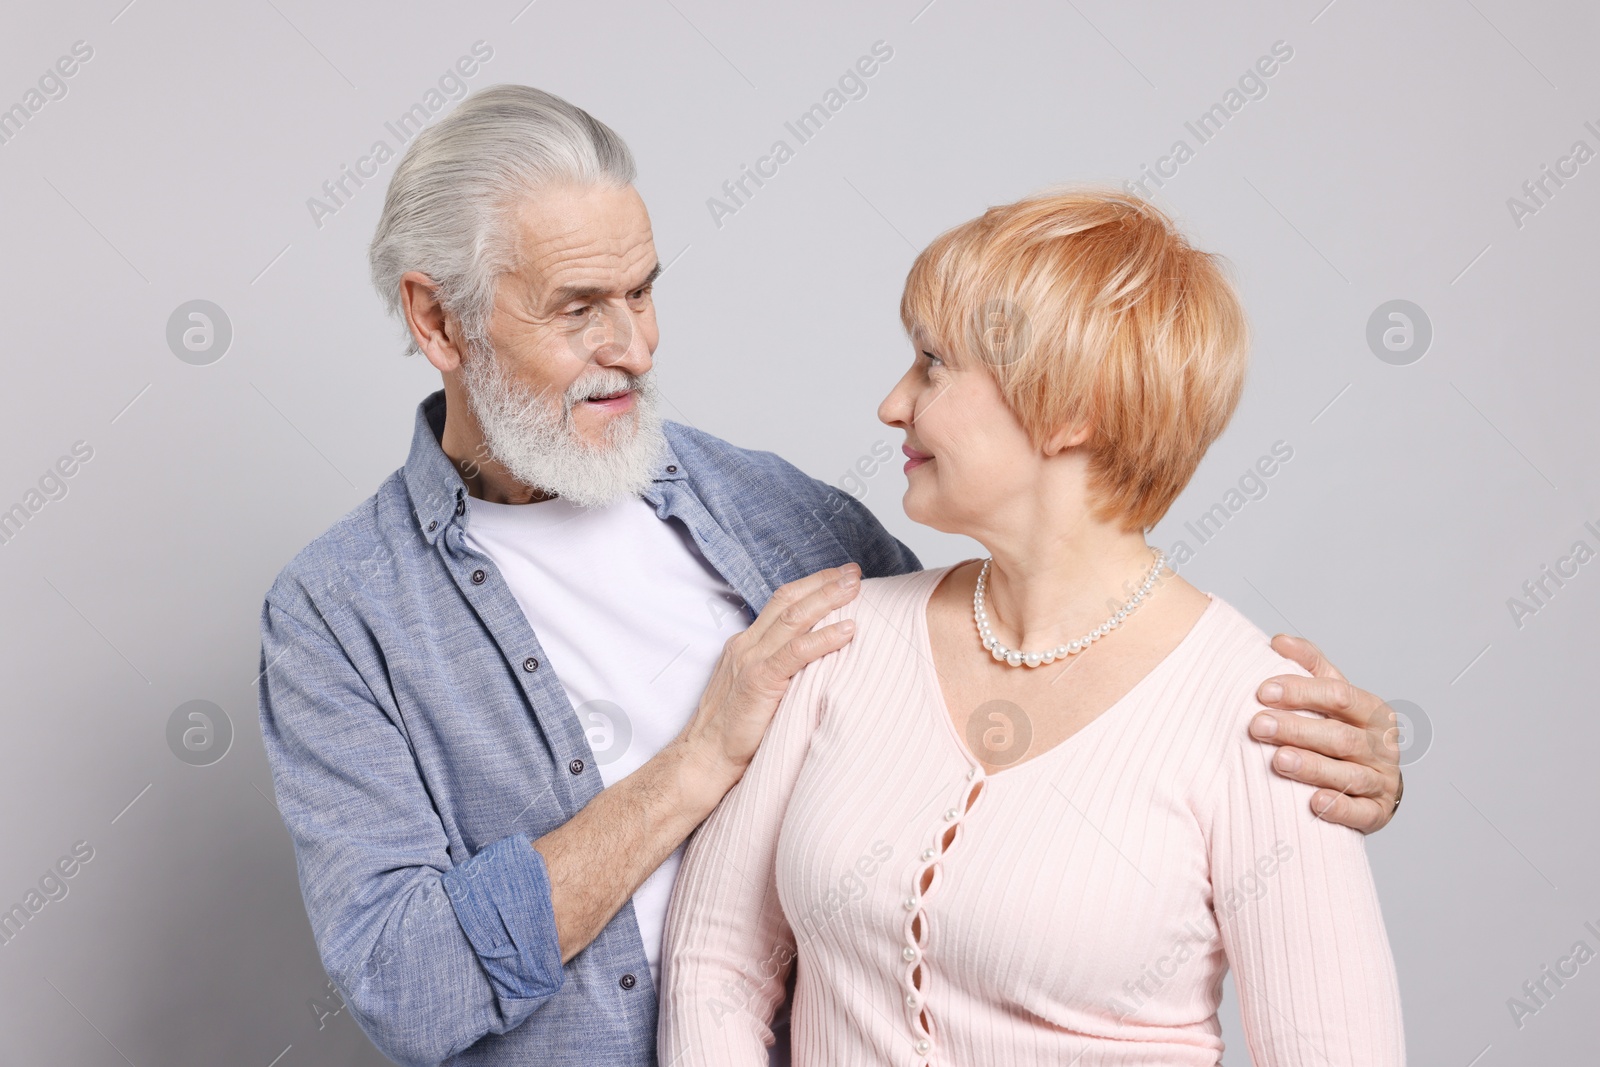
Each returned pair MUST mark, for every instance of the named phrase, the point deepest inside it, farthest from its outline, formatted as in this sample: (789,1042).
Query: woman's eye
(933,359)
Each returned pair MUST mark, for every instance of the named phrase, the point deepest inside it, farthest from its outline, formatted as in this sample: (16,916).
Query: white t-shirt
(632,619)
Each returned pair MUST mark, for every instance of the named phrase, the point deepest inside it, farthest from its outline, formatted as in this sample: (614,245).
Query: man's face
(581,300)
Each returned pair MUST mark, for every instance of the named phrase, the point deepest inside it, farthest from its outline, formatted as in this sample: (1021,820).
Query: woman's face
(968,457)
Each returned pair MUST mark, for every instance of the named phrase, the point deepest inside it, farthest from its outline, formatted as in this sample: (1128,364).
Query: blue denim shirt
(419,743)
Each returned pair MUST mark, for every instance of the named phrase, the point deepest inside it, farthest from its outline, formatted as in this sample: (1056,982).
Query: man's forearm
(600,857)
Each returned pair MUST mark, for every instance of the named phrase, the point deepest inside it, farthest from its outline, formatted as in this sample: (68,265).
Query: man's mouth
(620,400)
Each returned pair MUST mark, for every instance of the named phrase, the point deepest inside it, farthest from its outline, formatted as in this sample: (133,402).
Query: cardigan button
(908,954)
(923,1046)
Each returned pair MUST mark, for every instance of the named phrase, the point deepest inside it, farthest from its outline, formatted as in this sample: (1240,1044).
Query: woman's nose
(892,411)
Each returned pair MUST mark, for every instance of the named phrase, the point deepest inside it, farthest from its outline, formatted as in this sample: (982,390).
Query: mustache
(604,381)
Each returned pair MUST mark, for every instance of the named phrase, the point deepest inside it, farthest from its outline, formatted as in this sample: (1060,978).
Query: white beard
(541,448)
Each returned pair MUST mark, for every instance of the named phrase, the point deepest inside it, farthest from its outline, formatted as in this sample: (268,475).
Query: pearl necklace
(1014,658)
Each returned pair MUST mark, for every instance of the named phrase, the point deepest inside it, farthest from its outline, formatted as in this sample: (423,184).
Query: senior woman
(1019,819)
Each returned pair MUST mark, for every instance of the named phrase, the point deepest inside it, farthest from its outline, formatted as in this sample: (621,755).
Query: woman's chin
(924,511)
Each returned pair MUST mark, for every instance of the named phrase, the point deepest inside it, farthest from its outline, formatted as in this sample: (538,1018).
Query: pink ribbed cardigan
(1083,906)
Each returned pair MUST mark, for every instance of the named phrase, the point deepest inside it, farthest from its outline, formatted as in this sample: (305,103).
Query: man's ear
(431,327)
(1069,435)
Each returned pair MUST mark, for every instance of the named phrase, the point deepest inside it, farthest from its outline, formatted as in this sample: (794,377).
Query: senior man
(500,693)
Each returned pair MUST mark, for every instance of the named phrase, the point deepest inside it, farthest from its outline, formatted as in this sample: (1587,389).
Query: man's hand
(1353,754)
(598,858)
(756,665)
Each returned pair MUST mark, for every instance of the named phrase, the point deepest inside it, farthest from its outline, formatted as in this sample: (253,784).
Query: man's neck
(463,442)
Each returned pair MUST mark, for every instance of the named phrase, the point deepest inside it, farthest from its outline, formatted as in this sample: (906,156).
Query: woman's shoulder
(903,588)
(1231,660)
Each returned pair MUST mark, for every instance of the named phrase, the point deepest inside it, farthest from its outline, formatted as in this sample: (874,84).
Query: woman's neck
(1048,591)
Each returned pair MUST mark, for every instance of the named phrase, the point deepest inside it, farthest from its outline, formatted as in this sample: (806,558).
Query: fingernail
(1271,692)
(847,626)
(849,580)
(1264,726)
(1287,760)
(1322,804)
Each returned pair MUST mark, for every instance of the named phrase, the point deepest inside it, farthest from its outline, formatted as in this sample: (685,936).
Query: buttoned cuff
(501,898)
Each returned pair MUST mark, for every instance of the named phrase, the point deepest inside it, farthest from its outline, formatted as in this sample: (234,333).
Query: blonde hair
(1089,307)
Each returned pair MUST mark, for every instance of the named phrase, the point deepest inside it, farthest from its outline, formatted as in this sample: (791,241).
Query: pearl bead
(1033,659)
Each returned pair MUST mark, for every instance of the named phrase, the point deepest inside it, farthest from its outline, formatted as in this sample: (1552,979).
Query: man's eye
(579,311)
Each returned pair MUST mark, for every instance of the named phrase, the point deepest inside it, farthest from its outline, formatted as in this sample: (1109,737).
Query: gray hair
(449,206)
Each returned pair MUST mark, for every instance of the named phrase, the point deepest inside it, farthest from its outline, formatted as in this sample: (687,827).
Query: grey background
(1418,500)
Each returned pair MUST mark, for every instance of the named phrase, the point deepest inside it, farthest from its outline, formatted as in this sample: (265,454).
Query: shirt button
(908,953)
(576,766)
(478,577)
(628,981)
(672,468)
(432,526)
(461,507)
(530,664)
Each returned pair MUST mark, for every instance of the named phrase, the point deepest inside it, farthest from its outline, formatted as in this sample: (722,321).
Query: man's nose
(613,339)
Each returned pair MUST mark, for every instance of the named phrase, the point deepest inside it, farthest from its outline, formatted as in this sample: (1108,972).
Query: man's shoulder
(357,546)
(706,455)
(773,502)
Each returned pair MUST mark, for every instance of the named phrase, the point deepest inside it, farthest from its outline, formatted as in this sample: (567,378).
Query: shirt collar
(438,493)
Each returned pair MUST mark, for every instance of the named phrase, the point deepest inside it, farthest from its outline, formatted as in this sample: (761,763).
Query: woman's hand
(1353,754)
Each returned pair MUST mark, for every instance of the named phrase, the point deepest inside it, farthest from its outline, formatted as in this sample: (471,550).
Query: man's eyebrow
(568,293)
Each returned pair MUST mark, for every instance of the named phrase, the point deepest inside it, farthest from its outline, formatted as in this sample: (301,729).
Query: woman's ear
(1070,435)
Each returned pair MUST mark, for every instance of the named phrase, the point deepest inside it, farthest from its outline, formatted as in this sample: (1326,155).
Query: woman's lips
(914,459)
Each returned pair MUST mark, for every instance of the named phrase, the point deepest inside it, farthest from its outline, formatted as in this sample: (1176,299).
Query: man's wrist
(701,776)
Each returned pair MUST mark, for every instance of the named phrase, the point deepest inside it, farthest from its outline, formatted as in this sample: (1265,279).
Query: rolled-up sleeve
(502,900)
(429,955)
